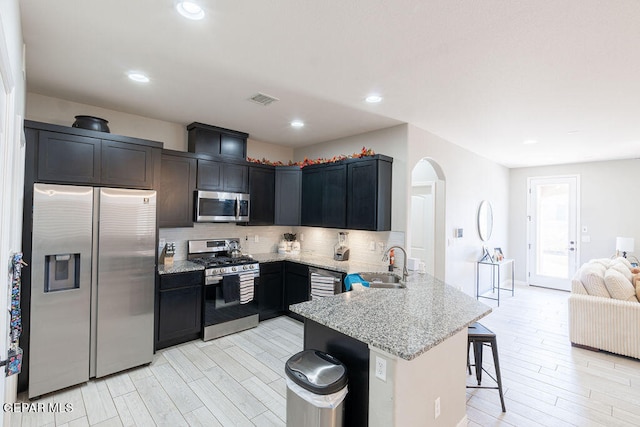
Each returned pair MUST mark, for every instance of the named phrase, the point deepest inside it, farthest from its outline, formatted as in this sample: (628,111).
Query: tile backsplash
(365,246)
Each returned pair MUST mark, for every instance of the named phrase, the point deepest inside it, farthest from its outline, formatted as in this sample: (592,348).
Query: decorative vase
(91,123)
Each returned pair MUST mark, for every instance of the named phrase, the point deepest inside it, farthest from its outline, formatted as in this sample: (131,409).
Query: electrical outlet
(436,405)
(162,243)
(256,239)
(381,368)
(372,246)
(302,237)
(381,247)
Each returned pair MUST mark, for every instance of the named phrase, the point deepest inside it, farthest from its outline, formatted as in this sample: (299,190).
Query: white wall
(607,207)
(57,111)
(391,142)
(11,170)
(469,179)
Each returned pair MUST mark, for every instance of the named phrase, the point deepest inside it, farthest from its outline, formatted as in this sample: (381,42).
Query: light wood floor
(239,379)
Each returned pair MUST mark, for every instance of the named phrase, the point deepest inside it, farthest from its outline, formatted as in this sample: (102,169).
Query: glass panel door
(552,231)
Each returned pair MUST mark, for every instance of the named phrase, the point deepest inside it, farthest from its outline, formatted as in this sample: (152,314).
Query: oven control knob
(223,270)
(234,269)
(245,267)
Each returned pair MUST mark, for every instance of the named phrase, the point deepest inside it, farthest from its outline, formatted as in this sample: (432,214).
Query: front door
(553,231)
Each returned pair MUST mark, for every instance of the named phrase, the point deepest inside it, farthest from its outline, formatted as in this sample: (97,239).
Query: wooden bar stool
(480,336)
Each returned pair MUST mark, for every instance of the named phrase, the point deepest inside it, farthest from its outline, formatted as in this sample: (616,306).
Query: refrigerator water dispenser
(62,272)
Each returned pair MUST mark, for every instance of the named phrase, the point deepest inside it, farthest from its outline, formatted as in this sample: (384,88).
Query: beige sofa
(605,314)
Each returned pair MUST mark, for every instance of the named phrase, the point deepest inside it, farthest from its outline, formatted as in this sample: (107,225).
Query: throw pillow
(592,278)
(622,269)
(618,286)
(636,282)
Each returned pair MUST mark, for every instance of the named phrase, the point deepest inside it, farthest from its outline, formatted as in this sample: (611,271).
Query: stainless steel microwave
(214,206)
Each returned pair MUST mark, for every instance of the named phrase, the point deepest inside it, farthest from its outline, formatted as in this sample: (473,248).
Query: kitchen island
(416,337)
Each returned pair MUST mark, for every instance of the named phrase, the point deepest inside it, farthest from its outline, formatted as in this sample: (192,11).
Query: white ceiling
(486,75)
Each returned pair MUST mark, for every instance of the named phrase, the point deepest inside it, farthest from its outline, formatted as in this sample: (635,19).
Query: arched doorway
(427,237)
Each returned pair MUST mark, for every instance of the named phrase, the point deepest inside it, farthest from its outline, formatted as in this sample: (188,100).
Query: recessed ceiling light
(190,10)
(138,77)
(530,141)
(373,99)
(297,124)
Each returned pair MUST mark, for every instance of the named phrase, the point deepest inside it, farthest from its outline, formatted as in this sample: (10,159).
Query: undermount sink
(383,280)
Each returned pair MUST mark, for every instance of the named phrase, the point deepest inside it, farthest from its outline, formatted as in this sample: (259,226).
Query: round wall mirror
(485,220)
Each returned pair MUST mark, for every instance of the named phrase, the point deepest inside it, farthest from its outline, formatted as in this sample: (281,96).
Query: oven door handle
(212,280)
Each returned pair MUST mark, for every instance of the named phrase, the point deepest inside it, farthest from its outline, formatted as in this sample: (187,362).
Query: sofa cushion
(618,286)
(606,262)
(636,283)
(624,261)
(592,278)
(622,268)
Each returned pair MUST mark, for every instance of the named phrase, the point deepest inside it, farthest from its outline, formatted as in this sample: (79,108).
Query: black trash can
(316,388)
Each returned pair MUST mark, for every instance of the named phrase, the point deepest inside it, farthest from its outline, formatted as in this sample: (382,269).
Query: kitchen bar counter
(403,322)
(405,350)
(181,266)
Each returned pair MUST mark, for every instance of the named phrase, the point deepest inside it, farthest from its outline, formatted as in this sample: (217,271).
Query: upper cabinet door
(126,165)
(210,175)
(334,198)
(235,178)
(288,193)
(369,195)
(176,193)
(66,158)
(262,190)
(312,194)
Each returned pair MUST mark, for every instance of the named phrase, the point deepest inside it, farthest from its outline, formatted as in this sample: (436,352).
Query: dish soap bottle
(392,259)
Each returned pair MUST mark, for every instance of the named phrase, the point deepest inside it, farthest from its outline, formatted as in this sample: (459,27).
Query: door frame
(529,215)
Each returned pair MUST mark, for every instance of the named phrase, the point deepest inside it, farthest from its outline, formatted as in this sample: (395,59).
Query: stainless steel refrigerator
(92,287)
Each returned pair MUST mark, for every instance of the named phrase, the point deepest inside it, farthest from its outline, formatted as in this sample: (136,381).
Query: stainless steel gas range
(230,286)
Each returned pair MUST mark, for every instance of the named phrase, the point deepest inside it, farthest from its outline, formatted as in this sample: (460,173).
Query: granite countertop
(319,261)
(403,322)
(179,266)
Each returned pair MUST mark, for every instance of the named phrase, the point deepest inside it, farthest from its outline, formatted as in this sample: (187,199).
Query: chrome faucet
(405,272)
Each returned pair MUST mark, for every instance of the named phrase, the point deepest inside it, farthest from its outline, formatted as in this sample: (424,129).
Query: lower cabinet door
(179,316)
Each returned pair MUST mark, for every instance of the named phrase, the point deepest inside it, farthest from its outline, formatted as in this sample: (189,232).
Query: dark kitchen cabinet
(262,182)
(178,308)
(217,141)
(353,194)
(288,193)
(324,195)
(235,178)
(311,208)
(177,186)
(296,286)
(66,155)
(271,290)
(222,176)
(126,164)
(68,158)
(369,194)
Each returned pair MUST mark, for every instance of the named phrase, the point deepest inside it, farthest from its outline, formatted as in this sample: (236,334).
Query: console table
(496,267)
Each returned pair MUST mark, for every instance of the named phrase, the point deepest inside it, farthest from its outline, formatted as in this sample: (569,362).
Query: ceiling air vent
(262,99)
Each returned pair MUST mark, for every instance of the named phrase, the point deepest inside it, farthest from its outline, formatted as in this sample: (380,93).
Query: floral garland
(365,152)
